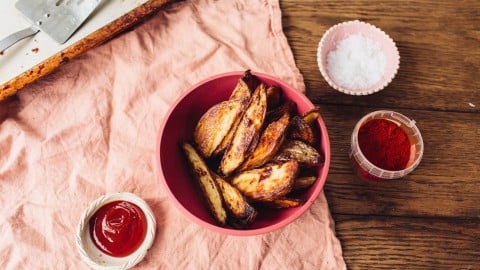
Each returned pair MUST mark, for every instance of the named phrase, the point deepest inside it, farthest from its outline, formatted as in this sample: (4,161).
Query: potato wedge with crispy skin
(253,144)
(301,130)
(311,116)
(300,151)
(241,213)
(242,92)
(285,202)
(275,114)
(274,97)
(214,125)
(304,182)
(245,87)
(267,183)
(247,129)
(209,189)
(270,141)
(228,138)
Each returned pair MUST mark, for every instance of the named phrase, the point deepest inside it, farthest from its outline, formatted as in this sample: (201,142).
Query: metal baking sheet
(34,57)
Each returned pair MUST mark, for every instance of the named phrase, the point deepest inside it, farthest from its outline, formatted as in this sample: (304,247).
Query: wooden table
(431,218)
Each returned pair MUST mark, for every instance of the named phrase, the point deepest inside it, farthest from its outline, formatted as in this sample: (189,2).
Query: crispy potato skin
(213,126)
(301,130)
(245,87)
(300,151)
(286,108)
(209,189)
(285,203)
(274,97)
(267,183)
(241,212)
(304,182)
(243,93)
(247,129)
(270,141)
(311,116)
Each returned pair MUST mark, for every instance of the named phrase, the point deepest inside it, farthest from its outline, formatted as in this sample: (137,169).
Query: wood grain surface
(431,218)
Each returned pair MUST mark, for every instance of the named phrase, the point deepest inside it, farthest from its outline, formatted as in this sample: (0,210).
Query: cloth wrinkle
(216,253)
(267,246)
(90,128)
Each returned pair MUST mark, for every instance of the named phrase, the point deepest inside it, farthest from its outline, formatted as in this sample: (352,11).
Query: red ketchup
(118,228)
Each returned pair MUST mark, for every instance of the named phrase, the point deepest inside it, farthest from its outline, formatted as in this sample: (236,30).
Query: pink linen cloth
(90,128)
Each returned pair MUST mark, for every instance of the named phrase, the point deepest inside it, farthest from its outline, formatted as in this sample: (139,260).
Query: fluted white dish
(97,259)
(335,34)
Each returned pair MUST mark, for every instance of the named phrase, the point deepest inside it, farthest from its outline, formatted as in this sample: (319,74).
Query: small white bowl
(335,34)
(97,259)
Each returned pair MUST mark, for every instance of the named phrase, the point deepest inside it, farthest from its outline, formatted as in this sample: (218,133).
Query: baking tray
(35,57)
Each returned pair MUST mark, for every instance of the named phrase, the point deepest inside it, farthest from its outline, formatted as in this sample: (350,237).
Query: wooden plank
(408,243)
(430,219)
(438,44)
(416,196)
(452,146)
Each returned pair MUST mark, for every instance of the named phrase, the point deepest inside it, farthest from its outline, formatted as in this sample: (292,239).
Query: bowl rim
(326,76)
(244,232)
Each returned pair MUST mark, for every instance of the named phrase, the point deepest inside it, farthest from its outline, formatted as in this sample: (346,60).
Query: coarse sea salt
(357,63)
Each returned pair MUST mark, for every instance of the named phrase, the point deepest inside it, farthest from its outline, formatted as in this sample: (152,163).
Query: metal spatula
(57,18)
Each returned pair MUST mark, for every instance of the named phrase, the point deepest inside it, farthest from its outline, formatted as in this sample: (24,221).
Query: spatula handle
(17,36)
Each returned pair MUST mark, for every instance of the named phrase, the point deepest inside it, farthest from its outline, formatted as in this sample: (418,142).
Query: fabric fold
(90,128)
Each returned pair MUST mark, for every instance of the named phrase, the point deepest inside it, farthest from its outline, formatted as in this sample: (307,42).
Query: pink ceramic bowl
(179,125)
(335,34)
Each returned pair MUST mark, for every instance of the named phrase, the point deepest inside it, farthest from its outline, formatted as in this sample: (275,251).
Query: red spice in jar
(384,144)
(118,228)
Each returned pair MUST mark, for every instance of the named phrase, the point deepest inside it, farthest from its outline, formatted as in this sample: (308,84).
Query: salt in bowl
(330,42)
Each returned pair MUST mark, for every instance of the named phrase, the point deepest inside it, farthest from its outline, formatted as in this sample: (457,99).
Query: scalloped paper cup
(341,31)
(94,257)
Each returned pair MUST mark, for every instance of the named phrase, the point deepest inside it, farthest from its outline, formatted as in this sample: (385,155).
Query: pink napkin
(90,127)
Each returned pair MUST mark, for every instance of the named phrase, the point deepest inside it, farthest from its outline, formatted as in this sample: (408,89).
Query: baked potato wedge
(247,129)
(311,116)
(270,141)
(304,182)
(301,130)
(300,151)
(274,97)
(253,145)
(241,213)
(267,183)
(275,114)
(227,139)
(208,186)
(245,87)
(242,92)
(214,125)
(285,202)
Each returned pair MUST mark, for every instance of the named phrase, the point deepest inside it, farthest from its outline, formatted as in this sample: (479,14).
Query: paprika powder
(384,144)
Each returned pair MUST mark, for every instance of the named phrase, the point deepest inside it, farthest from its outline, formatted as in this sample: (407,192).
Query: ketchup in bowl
(118,228)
